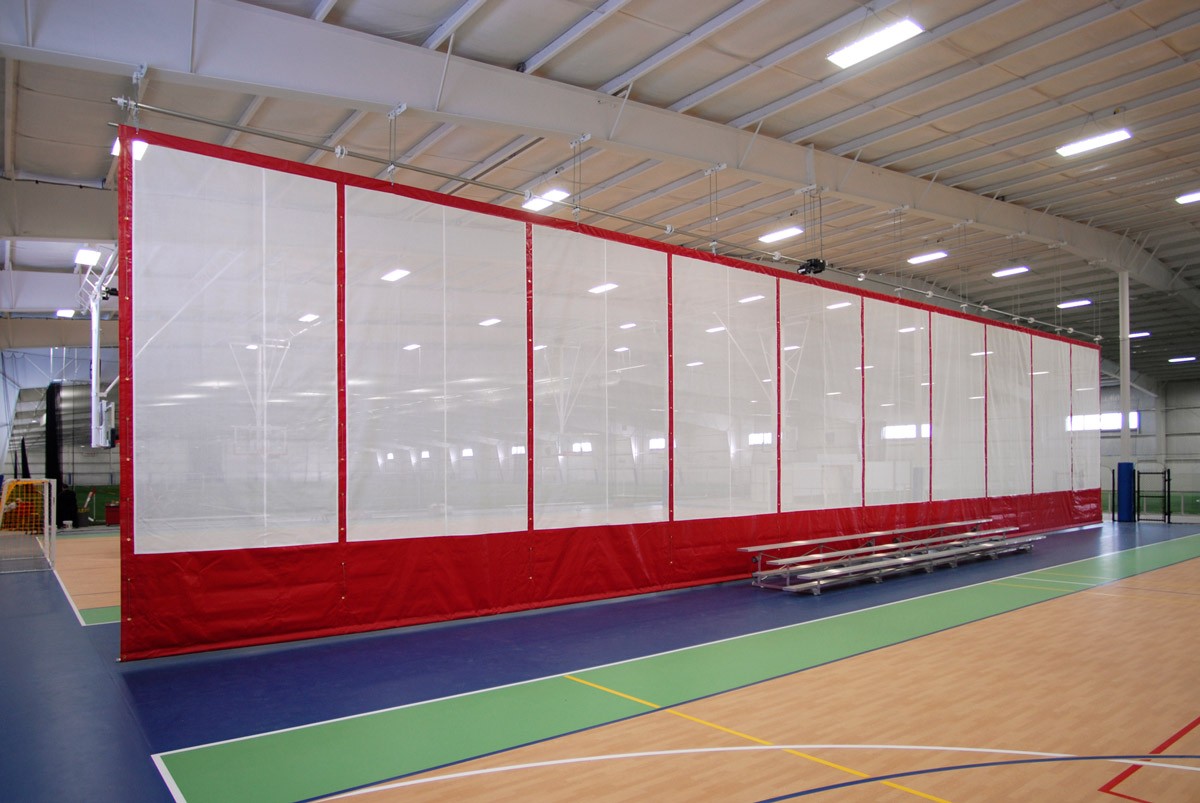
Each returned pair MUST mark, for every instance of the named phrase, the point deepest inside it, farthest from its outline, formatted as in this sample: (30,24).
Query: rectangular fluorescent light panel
(1191,197)
(65,313)
(395,275)
(1182,359)
(1132,335)
(838,305)
(1000,274)
(714,329)
(412,347)
(539,202)
(309,318)
(86,256)
(748,299)
(922,258)
(603,288)
(1079,302)
(1094,142)
(782,234)
(877,42)
(489,322)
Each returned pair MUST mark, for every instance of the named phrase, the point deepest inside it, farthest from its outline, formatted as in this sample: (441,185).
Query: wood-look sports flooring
(1110,671)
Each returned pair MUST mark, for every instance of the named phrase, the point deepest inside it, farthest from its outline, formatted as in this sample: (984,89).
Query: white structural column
(1123,303)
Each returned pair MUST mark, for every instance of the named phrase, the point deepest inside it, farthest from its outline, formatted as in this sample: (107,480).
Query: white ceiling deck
(693,123)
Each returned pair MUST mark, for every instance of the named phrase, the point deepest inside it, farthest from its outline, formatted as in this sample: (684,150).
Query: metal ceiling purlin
(237,46)
(573,33)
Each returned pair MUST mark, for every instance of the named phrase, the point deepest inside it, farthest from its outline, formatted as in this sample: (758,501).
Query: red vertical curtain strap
(125,352)
(985,413)
(343,483)
(862,400)
(1071,409)
(529,377)
(929,381)
(778,401)
(1032,434)
(670,390)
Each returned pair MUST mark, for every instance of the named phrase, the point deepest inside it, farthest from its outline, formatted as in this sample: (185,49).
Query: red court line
(1128,771)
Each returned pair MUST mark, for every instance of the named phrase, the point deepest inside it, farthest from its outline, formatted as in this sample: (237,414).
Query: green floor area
(100,616)
(325,758)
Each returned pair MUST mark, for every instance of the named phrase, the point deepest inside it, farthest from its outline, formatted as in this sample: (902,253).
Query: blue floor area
(80,726)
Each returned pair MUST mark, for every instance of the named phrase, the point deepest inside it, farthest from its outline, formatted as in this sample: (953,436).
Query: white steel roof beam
(943,30)
(672,50)
(452,23)
(1019,84)
(571,35)
(811,39)
(251,49)
(979,62)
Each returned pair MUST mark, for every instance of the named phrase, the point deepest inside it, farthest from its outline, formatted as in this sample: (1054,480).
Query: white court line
(748,748)
(70,601)
(166,774)
(172,787)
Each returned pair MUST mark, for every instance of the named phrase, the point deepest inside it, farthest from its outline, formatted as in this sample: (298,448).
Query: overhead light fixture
(1132,335)
(1191,197)
(790,348)
(907,329)
(1182,359)
(309,318)
(627,325)
(65,313)
(1000,274)
(252,347)
(88,257)
(1079,302)
(603,288)
(877,42)
(694,364)
(395,275)
(980,353)
(713,330)
(838,305)
(1092,143)
(538,348)
(139,149)
(537,203)
(922,258)
(489,322)
(412,347)
(621,349)
(748,299)
(782,234)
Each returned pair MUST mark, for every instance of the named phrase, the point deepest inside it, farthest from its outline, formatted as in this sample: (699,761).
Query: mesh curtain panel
(235,353)
(958,408)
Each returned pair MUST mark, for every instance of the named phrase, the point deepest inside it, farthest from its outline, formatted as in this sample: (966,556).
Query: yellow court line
(754,739)
(1081,576)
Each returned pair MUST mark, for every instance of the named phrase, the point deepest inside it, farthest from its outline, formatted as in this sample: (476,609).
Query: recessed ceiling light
(1079,302)
(395,275)
(1132,335)
(877,42)
(1191,197)
(489,322)
(1092,143)
(539,202)
(139,149)
(65,313)
(1013,271)
(1182,359)
(309,318)
(782,234)
(922,258)
(748,299)
(603,288)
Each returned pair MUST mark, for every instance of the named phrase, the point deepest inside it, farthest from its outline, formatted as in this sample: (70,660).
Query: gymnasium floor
(1019,678)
